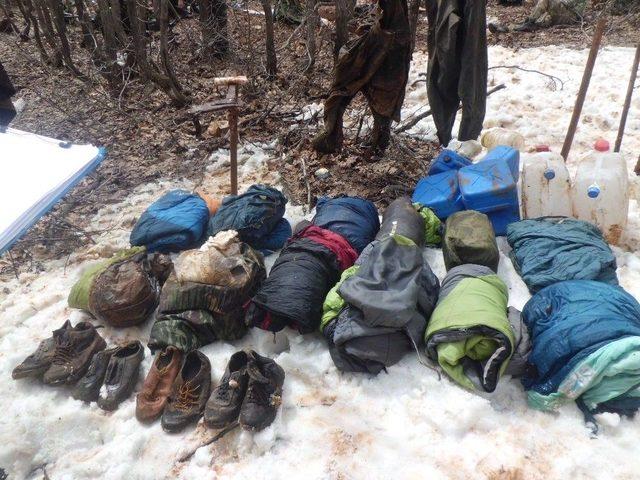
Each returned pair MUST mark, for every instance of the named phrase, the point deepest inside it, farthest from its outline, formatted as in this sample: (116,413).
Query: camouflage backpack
(469,238)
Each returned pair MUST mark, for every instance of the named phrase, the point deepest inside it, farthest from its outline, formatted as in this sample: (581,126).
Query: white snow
(404,423)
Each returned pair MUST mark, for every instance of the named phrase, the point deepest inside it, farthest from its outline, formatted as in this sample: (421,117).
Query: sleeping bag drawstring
(420,359)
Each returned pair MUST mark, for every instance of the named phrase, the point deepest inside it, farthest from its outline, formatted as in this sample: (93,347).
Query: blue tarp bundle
(256,215)
(356,219)
(553,249)
(568,322)
(176,221)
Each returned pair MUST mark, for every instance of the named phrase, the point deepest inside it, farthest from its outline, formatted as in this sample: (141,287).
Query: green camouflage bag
(193,314)
(469,238)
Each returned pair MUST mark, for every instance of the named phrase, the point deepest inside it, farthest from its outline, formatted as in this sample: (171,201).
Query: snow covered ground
(403,424)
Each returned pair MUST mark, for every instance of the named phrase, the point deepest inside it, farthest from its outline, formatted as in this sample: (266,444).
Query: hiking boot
(224,405)
(39,361)
(380,135)
(88,387)
(325,142)
(122,375)
(150,402)
(264,393)
(189,393)
(74,349)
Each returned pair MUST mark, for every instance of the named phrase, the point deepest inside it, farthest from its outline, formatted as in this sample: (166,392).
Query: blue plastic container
(448,160)
(440,192)
(491,186)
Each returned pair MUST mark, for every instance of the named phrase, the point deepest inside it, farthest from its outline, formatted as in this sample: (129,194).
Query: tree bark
(343,15)
(44,21)
(312,25)
(272,61)
(57,13)
(414,12)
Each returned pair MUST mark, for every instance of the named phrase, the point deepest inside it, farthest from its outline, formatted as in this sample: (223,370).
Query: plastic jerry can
(448,160)
(601,191)
(491,187)
(546,185)
(441,193)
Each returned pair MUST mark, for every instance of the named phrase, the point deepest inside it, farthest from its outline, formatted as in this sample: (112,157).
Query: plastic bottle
(546,185)
(501,136)
(601,191)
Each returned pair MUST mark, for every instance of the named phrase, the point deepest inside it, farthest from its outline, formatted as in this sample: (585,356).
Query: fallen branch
(218,435)
(413,122)
(530,70)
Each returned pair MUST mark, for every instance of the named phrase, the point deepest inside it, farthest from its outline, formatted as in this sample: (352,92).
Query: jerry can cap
(601,145)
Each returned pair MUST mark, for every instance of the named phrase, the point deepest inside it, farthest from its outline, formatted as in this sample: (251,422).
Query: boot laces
(256,393)
(187,396)
(63,353)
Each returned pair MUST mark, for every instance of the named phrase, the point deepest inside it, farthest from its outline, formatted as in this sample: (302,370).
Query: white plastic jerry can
(601,191)
(546,185)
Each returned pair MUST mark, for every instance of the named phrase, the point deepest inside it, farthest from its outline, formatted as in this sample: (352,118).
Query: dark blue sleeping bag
(256,215)
(356,219)
(176,221)
(570,320)
(548,250)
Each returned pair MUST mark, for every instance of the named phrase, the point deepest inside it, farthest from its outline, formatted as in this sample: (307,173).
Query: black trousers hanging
(7,111)
(457,71)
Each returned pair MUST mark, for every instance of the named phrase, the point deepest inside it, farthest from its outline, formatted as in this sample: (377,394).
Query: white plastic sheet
(35,172)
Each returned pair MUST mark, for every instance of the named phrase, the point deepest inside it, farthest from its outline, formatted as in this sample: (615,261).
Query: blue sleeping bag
(356,219)
(256,215)
(569,321)
(176,221)
(553,249)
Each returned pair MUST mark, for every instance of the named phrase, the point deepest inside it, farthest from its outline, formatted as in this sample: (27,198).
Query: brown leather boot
(74,349)
(153,397)
(39,361)
(189,393)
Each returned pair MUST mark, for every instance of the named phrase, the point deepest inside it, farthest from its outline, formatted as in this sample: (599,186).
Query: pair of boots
(112,376)
(249,392)
(330,139)
(64,357)
(176,389)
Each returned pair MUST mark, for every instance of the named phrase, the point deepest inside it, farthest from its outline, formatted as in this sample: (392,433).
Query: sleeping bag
(257,215)
(379,309)
(176,221)
(356,219)
(469,333)
(553,249)
(203,300)
(469,238)
(122,291)
(586,346)
(307,267)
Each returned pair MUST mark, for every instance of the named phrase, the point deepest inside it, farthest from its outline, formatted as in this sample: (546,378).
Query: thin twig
(530,70)
(415,120)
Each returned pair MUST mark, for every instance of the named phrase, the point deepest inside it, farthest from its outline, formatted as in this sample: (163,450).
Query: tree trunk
(414,12)
(343,15)
(110,42)
(171,82)
(213,24)
(57,13)
(312,25)
(272,61)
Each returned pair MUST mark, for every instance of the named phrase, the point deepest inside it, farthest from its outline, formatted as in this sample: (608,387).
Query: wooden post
(584,85)
(231,104)
(627,101)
